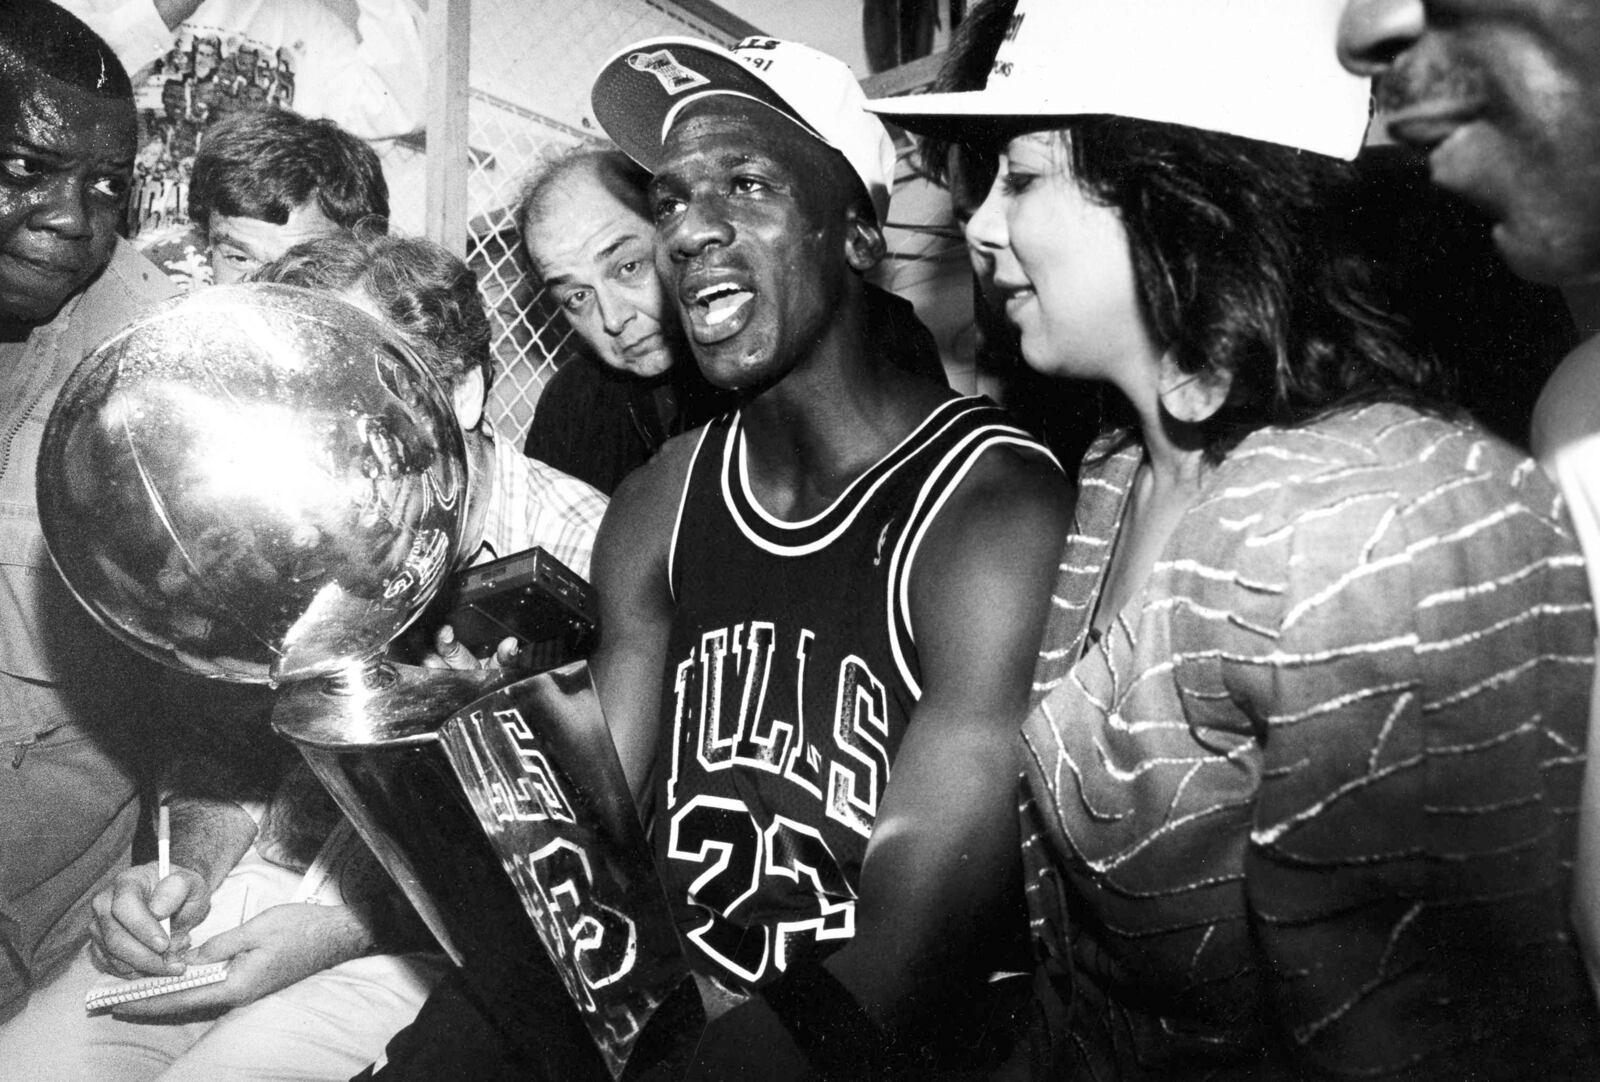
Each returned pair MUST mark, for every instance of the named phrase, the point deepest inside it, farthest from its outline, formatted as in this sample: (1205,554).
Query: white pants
(328,1026)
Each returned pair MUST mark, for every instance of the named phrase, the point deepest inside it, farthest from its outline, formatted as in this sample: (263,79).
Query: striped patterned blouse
(1309,808)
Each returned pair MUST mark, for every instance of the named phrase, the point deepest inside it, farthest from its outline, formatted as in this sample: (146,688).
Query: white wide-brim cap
(641,90)
(1261,69)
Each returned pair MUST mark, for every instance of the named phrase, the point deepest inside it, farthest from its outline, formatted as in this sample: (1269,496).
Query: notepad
(109,993)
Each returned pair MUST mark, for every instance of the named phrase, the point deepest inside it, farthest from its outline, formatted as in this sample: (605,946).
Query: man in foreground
(69,694)
(821,612)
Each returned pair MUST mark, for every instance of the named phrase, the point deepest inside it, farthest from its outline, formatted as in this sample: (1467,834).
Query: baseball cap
(641,90)
(1262,69)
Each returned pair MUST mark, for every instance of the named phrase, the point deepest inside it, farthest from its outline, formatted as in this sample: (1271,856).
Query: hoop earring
(1194,398)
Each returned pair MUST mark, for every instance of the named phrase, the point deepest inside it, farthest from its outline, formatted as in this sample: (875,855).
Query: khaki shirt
(68,691)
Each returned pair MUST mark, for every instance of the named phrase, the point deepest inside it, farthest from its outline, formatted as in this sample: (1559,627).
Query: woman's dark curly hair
(1244,264)
(427,294)
(1243,251)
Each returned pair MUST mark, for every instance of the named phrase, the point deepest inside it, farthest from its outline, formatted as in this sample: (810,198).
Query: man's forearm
(209,836)
(341,933)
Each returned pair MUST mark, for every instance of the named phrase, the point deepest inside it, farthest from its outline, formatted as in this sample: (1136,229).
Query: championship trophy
(260,483)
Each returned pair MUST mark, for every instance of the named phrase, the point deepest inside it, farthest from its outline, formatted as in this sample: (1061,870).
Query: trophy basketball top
(256,483)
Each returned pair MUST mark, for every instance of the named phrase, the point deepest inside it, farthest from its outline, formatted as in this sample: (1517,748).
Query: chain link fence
(532,65)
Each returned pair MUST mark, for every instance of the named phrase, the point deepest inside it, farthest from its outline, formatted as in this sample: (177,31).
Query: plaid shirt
(531,504)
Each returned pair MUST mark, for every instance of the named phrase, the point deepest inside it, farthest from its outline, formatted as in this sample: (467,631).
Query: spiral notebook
(109,993)
(112,991)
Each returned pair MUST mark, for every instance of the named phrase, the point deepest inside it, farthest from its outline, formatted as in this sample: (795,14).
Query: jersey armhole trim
(902,633)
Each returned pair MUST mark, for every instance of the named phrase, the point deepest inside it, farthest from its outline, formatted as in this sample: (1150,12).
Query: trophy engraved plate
(539,768)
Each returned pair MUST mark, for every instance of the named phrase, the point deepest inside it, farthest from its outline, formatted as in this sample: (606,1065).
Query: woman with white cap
(1300,787)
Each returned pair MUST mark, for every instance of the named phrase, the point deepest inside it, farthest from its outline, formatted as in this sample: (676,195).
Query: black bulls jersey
(792,672)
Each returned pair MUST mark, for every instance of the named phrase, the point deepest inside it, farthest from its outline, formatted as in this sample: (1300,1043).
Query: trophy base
(505,817)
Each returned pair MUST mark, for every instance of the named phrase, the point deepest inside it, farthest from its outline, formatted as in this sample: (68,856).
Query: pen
(164,855)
